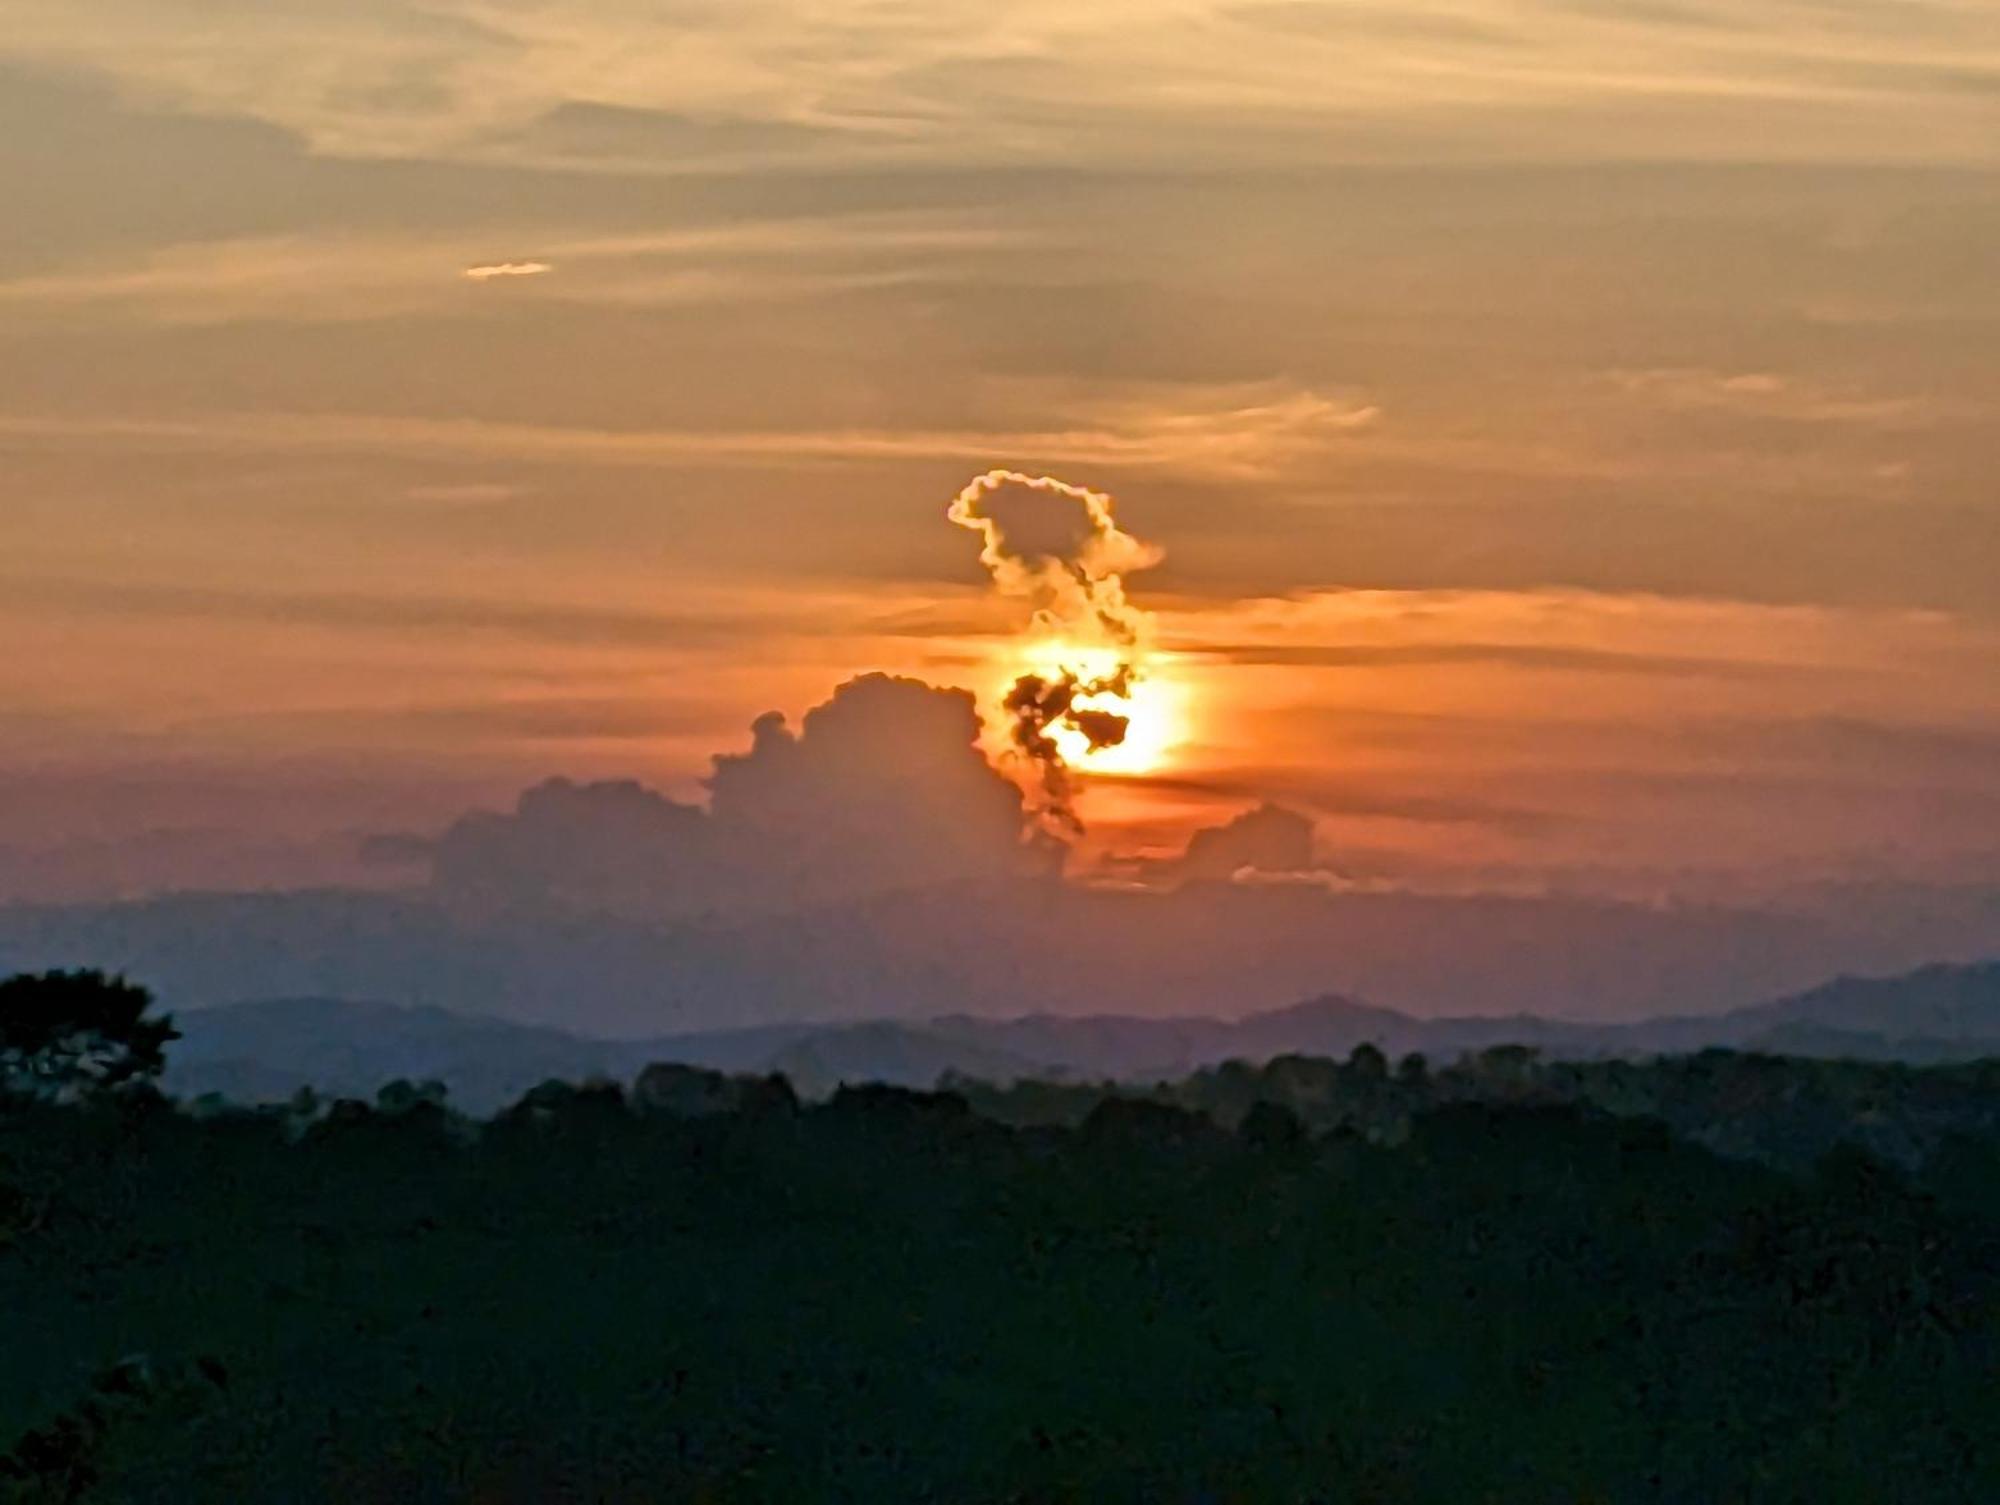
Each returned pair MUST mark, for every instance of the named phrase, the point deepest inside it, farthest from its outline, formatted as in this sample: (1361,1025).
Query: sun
(1155,707)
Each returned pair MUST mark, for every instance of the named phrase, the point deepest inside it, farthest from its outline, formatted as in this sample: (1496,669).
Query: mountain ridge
(983,949)
(265,1050)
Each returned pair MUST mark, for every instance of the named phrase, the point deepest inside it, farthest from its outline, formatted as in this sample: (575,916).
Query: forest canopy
(1496,1279)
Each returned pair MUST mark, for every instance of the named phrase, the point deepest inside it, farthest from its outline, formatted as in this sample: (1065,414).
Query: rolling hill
(266,1051)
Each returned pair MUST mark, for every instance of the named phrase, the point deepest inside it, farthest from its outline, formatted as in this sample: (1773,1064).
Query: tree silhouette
(1272,1127)
(71,1035)
(1506,1278)
(1367,1064)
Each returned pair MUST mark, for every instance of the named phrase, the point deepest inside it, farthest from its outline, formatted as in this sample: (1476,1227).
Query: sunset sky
(1570,429)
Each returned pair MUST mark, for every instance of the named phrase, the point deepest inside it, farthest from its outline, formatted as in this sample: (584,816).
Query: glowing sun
(1154,707)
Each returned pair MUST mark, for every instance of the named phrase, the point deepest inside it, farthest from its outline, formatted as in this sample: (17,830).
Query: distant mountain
(1203,950)
(267,1051)
(1932,1003)
(1933,1014)
(911,1055)
(261,1052)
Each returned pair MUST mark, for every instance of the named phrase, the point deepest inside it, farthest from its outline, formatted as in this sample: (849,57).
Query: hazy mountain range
(267,1050)
(994,949)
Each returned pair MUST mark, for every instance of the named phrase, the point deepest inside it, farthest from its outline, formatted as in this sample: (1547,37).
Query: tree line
(1501,1279)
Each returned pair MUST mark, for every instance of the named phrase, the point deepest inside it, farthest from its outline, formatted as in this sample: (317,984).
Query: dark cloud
(1040,706)
(881,788)
(1337,796)
(870,862)
(396,849)
(611,847)
(1266,839)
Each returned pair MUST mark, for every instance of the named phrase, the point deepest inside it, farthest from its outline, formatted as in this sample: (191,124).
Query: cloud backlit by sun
(1082,691)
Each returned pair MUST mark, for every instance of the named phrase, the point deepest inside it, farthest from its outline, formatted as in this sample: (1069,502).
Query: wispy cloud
(1046,80)
(1569,658)
(340,276)
(1230,441)
(1395,799)
(491,270)
(737,616)
(1422,652)
(1783,398)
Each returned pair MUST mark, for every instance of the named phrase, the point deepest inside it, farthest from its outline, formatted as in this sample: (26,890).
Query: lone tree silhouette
(71,1035)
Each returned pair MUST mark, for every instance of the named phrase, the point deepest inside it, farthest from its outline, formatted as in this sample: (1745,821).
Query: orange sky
(1570,470)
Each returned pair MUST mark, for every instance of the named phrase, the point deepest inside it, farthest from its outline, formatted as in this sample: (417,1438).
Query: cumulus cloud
(881,788)
(610,847)
(1267,839)
(1074,586)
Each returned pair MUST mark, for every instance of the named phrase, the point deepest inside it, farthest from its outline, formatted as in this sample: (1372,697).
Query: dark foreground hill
(267,1051)
(890,1298)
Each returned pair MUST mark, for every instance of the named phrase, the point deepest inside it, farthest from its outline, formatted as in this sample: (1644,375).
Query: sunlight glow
(1157,707)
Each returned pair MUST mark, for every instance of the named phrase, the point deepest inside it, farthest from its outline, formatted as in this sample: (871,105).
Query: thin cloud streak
(1512,655)
(499,269)
(1775,397)
(336,277)
(1041,80)
(747,616)
(1334,796)
(1234,442)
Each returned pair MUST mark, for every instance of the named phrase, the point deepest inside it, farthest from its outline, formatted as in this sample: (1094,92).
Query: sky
(1560,436)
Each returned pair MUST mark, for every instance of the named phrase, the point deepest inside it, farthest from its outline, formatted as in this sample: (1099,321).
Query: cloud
(1510,655)
(338,275)
(1248,431)
(463,493)
(396,849)
(1776,398)
(730,620)
(491,270)
(1336,796)
(511,721)
(596,82)
(1267,839)
(1205,949)
(1074,586)
(1071,577)
(1560,628)
(1223,444)
(607,847)
(882,788)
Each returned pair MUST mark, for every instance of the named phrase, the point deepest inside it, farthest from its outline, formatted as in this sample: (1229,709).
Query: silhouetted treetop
(71,1034)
